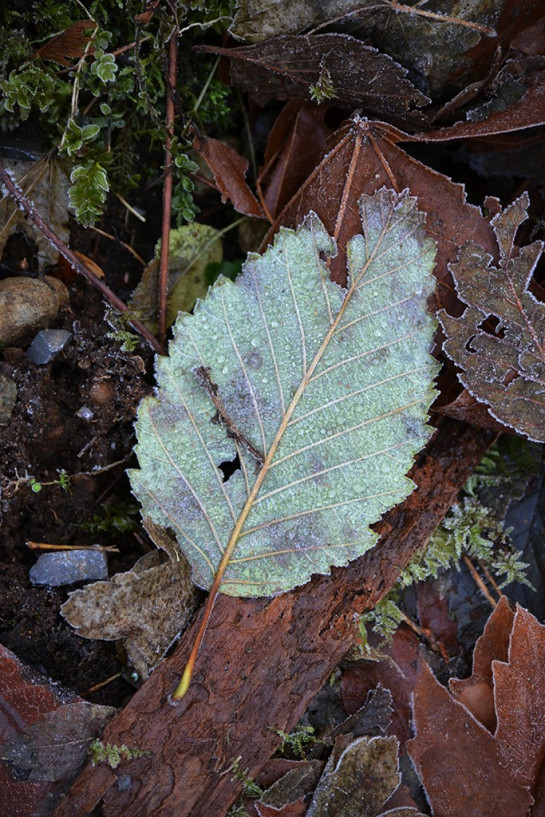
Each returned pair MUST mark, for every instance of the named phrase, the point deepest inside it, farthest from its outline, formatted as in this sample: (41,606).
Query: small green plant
(36,486)
(106,106)
(324,89)
(472,527)
(298,741)
(237,811)
(250,788)
(112,754)
(115,517)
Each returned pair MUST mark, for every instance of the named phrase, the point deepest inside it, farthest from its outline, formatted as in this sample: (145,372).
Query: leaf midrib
(237,530)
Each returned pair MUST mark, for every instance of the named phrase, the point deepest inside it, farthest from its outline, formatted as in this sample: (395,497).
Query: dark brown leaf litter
(498,343)
(497,716)
(361,157)
(323,67)
(74,414)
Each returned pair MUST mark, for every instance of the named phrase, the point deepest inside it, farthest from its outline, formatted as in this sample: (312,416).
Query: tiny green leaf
(105,68)
(321,393)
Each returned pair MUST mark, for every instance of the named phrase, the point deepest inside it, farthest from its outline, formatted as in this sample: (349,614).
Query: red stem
(28,207)
(167,190)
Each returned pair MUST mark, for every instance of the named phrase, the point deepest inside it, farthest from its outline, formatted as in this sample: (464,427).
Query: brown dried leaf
(371,719)
(396,672)
(360,781)
(503,367)
(361,158)
(297,808)
(46,182)
(342,67)
(257,20)
(229,169)
(285,797)
(477,691)
(69,43)
(526,112)
(520,700)
(25,698)
(91,265)
(457,759)
(295,146)
(147,607)
(56,747)
(469,410)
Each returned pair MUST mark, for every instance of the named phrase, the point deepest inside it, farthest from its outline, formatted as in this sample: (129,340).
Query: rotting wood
(261,664)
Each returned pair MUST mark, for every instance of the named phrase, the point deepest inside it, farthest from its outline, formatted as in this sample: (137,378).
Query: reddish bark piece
(520,700)
(477,691)
(364,156)
(24,699)
(396,673)
(295,146)
(457,758)
(261,664)
(229,169)
(326,66)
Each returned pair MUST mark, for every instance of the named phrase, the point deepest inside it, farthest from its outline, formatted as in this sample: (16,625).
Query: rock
(47,344)
(8,396)
(69,566)
(28,305)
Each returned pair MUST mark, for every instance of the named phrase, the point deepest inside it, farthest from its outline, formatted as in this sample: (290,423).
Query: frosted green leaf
(321,392)
(191,249)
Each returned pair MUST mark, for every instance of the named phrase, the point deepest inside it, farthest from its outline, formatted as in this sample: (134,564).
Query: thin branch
(203,376)
(167,190)
(28,207)
(394,5)
(479,582)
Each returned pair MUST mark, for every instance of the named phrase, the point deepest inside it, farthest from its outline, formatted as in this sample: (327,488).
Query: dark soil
(48,432)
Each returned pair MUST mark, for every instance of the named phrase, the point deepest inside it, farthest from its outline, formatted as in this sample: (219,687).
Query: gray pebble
(8,396)
(47,344)
(28,305)
(68,566)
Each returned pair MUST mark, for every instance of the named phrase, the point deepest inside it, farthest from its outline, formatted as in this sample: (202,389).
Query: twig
(203,376)
(102,684)
(46,546)
(479,582)
(396,6)
(28,207)
(443,18)
(490,578)
(122,243)
(167,190)
(130,208)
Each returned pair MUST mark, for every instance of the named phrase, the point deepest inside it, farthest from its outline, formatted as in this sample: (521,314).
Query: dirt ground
(48,432)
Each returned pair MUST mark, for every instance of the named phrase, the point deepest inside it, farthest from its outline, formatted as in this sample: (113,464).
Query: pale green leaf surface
(331,385)
(192,248)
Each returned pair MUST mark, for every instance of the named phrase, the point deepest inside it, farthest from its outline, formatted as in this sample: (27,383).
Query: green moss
(474,527)
(111,754)
(108,110)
